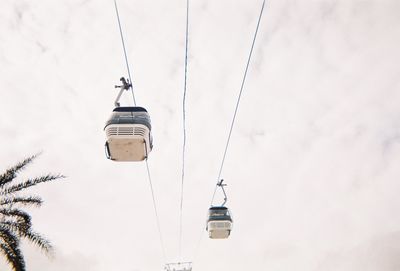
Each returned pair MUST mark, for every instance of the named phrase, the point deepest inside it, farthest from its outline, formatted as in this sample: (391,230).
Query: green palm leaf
(12,172)
(9,189)
(9,246)
(16,223)
(19,216)
(25,201)
(26,232)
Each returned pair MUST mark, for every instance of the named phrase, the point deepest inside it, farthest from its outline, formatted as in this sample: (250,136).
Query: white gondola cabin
(219,223)
(186,266)
(128,132)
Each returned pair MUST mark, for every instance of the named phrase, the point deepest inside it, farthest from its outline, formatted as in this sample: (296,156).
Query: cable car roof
(129,109)
(129,115)
(218,208)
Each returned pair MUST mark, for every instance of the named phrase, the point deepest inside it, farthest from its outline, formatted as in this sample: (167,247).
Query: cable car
(128,132)
(219,223)
(186,266)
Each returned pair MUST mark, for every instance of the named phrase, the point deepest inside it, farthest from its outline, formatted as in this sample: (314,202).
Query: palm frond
(26,232)
(13,257)
(38,240)
(26,201)
(20,216)
(15,224)
(12,172)
(30,182)
(9,245)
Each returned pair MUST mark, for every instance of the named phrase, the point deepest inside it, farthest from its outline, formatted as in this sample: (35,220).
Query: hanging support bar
(220,184)
(126,85)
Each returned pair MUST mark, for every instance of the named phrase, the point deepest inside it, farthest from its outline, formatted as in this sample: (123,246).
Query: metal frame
(220,184)
(126,85)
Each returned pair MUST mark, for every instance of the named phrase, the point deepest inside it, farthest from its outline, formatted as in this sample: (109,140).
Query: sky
(312,169)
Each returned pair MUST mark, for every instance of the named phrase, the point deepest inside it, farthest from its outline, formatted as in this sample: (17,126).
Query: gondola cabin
(128,133)
(219,223)
(186,266)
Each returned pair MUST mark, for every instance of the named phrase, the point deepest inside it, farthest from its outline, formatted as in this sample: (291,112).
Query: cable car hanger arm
(220,184)
(126,85)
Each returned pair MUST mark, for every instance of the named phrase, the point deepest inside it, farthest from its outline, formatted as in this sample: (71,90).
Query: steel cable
(147,165)
(155,211)
(184,127)
(237,102)
(125,54)
(197,248)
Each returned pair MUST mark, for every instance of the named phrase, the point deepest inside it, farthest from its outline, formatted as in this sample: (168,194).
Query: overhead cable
(125,54)
(155,211)
(184,128)
(238,101)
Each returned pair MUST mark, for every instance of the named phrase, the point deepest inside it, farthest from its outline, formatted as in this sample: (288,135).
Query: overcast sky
(313,167)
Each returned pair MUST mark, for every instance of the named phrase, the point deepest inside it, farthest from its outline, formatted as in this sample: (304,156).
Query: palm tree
(15,223)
